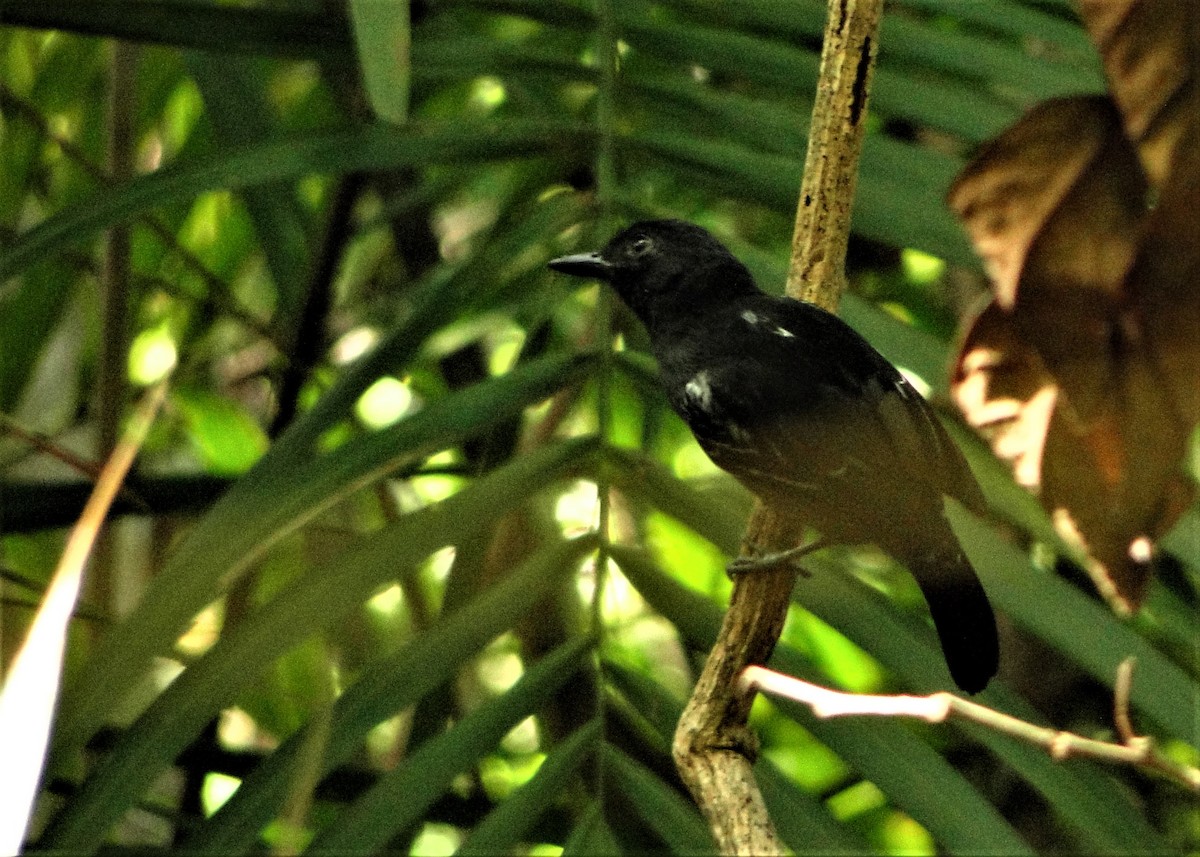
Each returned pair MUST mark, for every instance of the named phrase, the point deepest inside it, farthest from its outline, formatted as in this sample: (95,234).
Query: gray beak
(591,265)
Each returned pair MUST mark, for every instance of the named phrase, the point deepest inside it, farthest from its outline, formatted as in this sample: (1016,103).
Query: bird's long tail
(962,616)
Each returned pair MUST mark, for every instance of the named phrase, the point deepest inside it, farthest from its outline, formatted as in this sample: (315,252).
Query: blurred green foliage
(375,593)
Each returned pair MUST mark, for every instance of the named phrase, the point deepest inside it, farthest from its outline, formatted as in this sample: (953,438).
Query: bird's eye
(641,247)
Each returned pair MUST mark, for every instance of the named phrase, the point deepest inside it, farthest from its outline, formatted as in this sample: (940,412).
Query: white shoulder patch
(699,391)
(751,317)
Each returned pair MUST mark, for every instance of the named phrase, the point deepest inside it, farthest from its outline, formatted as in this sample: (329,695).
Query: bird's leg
(774,559)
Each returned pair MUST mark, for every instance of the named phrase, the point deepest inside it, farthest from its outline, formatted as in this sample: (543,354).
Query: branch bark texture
(714,748)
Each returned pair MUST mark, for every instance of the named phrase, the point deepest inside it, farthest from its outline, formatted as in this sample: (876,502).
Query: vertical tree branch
(112,361)
(714,748)
(111,383)
(817,272)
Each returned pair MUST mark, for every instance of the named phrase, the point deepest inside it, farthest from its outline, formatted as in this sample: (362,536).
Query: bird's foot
(774,559)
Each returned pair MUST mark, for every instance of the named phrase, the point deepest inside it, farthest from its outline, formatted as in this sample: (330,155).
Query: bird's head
(654,263)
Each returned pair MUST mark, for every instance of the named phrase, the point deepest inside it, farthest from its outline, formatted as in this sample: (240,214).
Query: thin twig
(713,747)
(220,295)
(1138,751)
(1122,691)
(307,342)
(112,376)
(43,443)
(47,445)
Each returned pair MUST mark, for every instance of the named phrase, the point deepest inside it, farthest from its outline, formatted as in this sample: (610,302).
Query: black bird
(807,415)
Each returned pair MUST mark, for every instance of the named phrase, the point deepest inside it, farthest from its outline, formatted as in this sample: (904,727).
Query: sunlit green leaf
(403,793)
(515,818)
(259,511)
(387,685)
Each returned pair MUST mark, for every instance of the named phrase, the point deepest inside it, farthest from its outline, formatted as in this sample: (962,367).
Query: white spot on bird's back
(751,317)
(699,391)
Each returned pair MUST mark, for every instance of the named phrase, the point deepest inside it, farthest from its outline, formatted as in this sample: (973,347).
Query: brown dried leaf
(1164,285)
(1085,372)
(1149,53)
(1003,388)
(1111,485)
(1055,206)
(1018,182)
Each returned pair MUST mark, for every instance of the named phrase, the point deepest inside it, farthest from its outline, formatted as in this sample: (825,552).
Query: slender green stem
(606,189)
(218,292)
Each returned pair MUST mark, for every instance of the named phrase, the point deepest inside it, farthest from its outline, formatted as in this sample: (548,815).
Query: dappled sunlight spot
(456,224)
(898,311)
(237,730)
(217,789)
(163,671)
(919,383)
(1181,752)
(544,849)
(152,356)
(354,344)
(384,402)
(385,739)
(488,93)
(903,835)
(691,461)
(621,602)
(463,784)
(686,556)
(283,837)
(203,632)
(1141,549)
(649,643)
(337,683)
(431,487)
(522,738)
(856,800)
(793,749)
(61,125)
(502,776)
(437,567)
(849,666)
(387,602)
(312,189)
(203,226)
(151,156)
(506,347)
(921,268)
(335,436)
(436,840)
(577,509)
(184,108)
(500,668)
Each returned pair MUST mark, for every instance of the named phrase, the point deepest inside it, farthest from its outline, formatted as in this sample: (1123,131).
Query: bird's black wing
(797,403)
(817,423)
